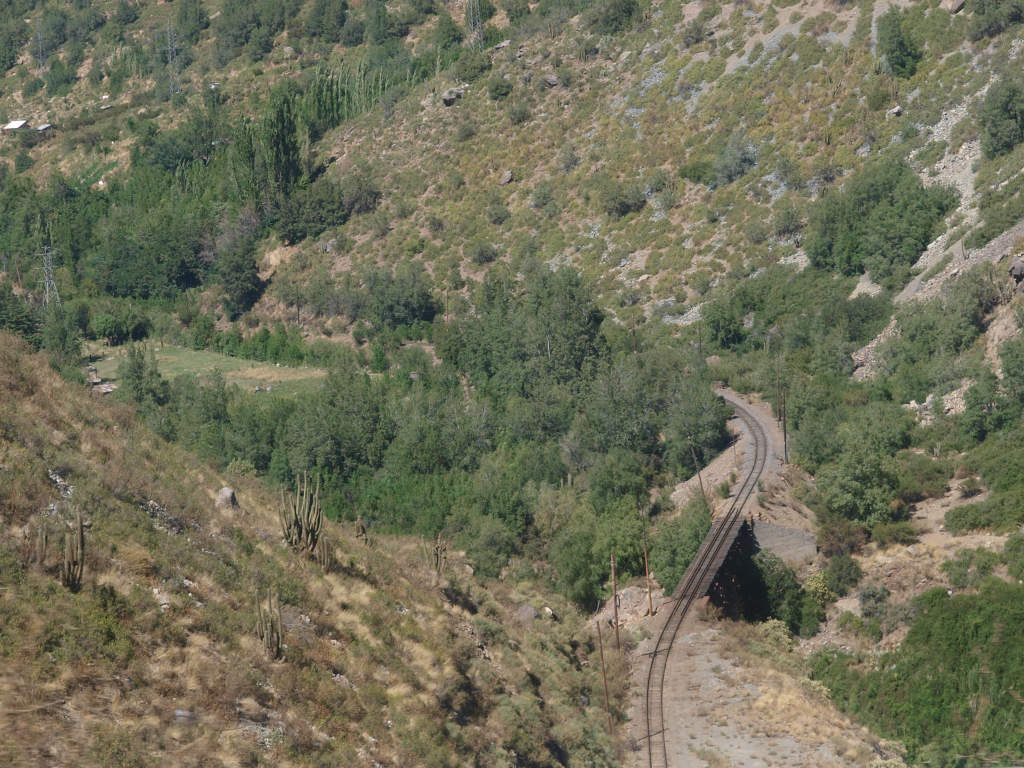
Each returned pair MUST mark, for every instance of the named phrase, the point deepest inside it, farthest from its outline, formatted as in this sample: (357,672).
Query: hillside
(155,660)
(479,271)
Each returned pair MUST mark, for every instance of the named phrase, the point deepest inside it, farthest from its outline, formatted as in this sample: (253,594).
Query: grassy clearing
(178,361)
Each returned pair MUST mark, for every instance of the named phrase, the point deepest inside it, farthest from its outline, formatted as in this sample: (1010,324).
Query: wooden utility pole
(615,607)
(604,676)
(700,482)
(647,568)
(785,431)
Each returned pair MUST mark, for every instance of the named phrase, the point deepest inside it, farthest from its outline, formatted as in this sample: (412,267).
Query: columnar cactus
(303,518)
(269,627)
(74,555)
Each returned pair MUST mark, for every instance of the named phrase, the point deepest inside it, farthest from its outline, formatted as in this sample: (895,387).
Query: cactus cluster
(303,518)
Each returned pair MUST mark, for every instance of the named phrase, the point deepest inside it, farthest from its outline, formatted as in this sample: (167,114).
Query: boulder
(895,111)
(506,177)
(226,498)
(1017,269)
(953,6)
(502,44)
(550,80)
(449,97)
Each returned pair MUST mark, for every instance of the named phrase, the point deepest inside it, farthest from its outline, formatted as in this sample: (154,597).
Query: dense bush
(498,88)
(472,65)
(1001,116)
(893,42)
(785,599)
(955,654)
(880,221)
(614,16)
(842,574)
(519,113)
(618,199)
(327,203)
(676,542)
(990,17)
(737,157)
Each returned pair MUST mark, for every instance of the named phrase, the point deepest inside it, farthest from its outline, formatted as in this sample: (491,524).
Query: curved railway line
(696,583)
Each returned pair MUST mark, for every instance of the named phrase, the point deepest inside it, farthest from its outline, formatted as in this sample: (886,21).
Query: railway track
(695,584)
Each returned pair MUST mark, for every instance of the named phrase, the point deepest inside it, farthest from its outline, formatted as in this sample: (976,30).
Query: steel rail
(712,551)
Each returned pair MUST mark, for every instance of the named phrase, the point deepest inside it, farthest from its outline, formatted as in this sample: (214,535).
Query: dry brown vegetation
(155,660)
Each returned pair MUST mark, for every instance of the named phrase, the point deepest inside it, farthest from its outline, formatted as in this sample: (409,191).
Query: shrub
(818,589)
(970,566)
(482,253)
(842,574)
(516,9)
(465,131)
(921,477)
(1013,556)
(784,597)
(900,532)
(838,536)
(616,16)
(568,160)
(354,31)
(699,172)
(869,628)
(488,543)
(736,158)
(472,65)
(543,194)
(23,161)
(788,219)
(519,113)
(872,600)
(620,199)
(497,213)
(498,88)
(893,43)
(1001,116)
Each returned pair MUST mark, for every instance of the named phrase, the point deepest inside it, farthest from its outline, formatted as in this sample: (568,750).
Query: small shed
(15,125)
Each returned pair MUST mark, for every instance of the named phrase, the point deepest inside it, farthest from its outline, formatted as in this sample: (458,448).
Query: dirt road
(719,705)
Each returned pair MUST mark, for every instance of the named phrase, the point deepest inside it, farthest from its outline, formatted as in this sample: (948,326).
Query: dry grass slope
(155,661)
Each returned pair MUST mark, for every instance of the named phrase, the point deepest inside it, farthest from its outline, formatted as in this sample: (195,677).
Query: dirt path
(729,463)
(732,707)
(723,704)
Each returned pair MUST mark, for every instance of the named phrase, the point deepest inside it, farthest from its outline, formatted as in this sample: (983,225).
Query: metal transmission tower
(39,45)
(49,284)
(172,62)
(474,25)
